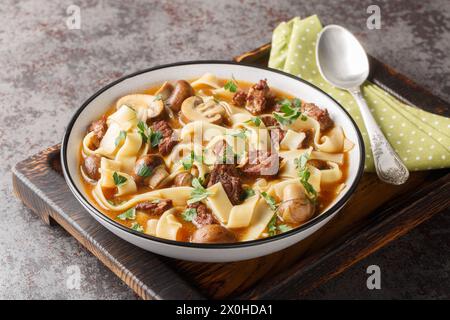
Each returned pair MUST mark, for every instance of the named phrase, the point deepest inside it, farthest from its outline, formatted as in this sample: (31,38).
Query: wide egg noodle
(332,175)
(241,215)
(219,202)
(261,217)
(292,140)
(208,79)
(332,142)
(108,146)
(125,117)
(127,154)
(168,226)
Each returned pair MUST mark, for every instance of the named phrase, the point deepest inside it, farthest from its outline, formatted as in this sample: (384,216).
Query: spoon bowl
(343,61)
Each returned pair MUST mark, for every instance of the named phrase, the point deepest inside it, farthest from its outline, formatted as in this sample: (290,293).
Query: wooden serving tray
(376,214)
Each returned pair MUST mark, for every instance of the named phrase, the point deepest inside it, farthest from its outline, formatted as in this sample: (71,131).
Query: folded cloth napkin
(421,139)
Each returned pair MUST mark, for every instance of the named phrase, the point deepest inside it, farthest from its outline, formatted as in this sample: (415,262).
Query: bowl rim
(93,210)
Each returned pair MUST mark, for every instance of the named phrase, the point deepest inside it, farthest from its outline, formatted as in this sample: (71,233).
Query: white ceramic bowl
(98,104)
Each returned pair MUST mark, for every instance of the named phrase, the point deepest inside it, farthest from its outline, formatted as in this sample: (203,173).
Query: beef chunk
(308,141)
(155,207)
(262,163)
(167,141)
(228,175)
(257,97)
(321,115)
(269,121)
(99,128)
(239,98)
(204,215)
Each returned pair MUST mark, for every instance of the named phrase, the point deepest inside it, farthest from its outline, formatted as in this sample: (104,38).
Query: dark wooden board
(376,214)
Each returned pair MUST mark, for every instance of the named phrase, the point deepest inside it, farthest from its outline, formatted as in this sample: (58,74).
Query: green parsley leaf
(137,227)
(155,138)
(255,120)
(272,226)
(120,138)
(241,134)
(189,214)
(270,201)
(231,85)
(188,161)
(283,228)
(158,97)
(143,130)
(199,193)
(118,179)
(304,174)
(144,171)
(289,112)
(249,192)
(130,214)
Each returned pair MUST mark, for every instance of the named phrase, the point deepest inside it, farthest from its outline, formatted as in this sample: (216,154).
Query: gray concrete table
(48,70)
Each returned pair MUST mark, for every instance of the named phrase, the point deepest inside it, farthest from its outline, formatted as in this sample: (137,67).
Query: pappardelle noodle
(214,161)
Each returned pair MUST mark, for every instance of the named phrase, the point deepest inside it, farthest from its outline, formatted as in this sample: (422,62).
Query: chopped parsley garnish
(155,138)
(199,193)
(147,134)
(283,228)
(270,201)
(274,229)
(289,112)
(188,161)
(304,174)
(249,192)
(231,85)
(118,179)
(130,214)
(144,171)
(137,227)
(241,134)
(143,130)
(189,214)
(120,138)
(272,226)
(254,120)
(158,97)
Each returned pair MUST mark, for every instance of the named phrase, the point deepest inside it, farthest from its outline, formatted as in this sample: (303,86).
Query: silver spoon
(343,63)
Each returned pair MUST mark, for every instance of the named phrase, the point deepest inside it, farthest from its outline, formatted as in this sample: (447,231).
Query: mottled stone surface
(47,71)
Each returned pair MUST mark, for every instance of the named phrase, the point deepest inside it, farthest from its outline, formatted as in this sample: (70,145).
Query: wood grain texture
(376,214)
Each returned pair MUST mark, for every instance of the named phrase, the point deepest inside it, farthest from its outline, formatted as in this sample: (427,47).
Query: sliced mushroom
(183,179)
(296,207)
(194,109)
(213,233)
(165,91)
(181,92)
(145,168)
(158,175)
(155,109)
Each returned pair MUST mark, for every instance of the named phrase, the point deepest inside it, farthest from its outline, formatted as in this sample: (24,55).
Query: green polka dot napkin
(422,139)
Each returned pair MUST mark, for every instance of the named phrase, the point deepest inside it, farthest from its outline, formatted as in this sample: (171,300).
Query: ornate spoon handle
(388,165)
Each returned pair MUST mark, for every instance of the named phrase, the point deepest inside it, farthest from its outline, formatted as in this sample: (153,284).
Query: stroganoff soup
(214,161)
